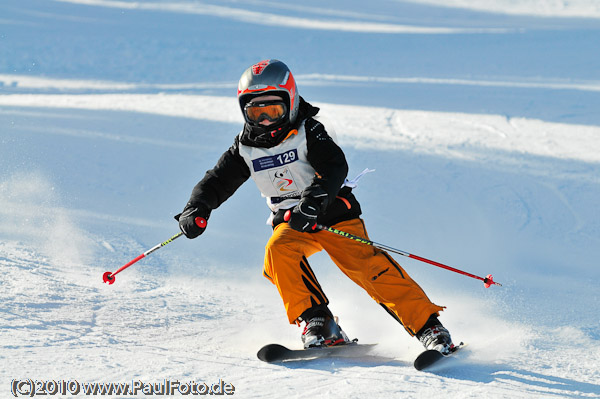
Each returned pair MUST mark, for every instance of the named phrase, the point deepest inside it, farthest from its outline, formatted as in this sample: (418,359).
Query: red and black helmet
(269,77)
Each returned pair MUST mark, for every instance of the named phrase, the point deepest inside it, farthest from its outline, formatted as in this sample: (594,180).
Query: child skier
(300,170)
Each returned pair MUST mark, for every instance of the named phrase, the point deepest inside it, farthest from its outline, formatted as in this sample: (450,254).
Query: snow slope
(482,127)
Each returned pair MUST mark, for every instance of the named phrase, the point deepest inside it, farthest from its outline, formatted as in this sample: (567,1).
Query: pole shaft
(148,252)
(452,269)
(109,277)
(399,252)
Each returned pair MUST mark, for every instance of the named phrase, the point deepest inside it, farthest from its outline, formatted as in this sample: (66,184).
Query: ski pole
(487,281)
(109,277)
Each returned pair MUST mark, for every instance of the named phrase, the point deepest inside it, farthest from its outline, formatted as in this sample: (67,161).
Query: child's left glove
(303,217)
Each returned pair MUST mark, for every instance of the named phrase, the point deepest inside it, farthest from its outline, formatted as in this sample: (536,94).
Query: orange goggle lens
(271,111)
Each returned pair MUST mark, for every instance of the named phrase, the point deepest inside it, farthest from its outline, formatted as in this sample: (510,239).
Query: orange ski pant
(286,266)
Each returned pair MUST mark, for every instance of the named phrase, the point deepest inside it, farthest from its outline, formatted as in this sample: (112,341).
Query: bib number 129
(286,157)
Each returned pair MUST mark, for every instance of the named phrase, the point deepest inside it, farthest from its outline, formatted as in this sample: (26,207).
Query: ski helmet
(270,77)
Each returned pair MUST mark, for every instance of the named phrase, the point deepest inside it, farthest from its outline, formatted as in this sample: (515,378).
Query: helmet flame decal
(258,68)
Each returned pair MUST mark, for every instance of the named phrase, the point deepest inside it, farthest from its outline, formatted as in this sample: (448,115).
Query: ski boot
(435,336)
(322,330)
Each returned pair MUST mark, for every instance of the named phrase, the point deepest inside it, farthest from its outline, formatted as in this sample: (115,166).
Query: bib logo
(283,181)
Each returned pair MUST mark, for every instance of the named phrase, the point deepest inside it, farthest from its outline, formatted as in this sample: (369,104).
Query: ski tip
(430,357)
(272,353)
(426,359)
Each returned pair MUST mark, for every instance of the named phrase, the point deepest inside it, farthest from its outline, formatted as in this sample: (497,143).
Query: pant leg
(380,275)
(287,267)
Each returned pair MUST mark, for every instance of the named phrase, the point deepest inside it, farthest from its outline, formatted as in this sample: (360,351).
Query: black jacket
(324,155)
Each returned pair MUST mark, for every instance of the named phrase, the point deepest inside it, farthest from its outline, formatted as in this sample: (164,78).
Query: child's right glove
(303,217)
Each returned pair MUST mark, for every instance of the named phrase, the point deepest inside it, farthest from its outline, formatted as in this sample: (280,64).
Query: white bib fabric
(282,172)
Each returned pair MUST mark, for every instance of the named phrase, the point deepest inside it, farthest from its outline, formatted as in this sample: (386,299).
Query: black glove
(303,217)
(192,221)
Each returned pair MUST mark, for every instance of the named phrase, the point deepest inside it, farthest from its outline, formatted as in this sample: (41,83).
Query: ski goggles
(273,111)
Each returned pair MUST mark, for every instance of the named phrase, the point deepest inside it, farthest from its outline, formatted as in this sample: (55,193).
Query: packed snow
(480,119)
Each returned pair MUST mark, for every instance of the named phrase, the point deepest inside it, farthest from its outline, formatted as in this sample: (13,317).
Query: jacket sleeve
(219,183)
(326,157)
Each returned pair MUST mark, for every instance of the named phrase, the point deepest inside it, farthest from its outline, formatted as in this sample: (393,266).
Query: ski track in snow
(94,166)
(262,18)
(421,131)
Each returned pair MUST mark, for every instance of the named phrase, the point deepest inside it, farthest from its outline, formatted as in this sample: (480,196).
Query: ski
(430,357)
(279,353)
